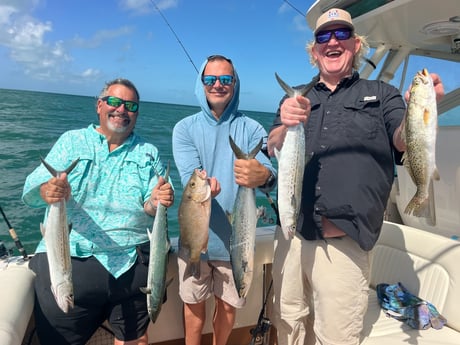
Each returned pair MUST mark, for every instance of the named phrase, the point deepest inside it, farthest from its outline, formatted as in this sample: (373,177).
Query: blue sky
(73,47)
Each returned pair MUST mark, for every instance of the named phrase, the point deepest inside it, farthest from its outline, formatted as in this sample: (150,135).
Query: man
(352,127)
(112,195)
(201,141)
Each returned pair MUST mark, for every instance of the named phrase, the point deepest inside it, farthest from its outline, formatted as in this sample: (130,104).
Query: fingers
(55,190)
(162,193)
(295,110)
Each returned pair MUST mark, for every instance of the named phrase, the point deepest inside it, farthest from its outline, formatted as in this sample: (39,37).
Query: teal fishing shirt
(109,190)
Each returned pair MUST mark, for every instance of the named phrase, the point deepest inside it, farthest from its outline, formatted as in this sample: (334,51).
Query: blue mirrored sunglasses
(116,102)
(340,34)
(210,80)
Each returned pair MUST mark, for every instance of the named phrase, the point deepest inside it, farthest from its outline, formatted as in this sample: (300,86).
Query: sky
(74,47)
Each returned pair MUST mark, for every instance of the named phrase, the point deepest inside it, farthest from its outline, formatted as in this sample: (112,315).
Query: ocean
(33,121)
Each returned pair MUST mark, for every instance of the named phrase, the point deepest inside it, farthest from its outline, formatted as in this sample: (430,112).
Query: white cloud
(147,6)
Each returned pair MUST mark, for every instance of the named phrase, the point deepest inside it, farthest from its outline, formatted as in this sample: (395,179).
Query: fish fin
(261,211)
(42,229)
(436,175)
(426,116)
(277,154)
(229,217)
(149,234)
(145,290)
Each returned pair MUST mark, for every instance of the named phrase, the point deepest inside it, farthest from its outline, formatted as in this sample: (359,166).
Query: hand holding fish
(215,186)
(162,193)
(438,88)
(57,188)
(295,110)
(250,173)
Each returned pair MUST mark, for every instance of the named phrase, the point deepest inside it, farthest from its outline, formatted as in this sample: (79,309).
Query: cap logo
(333,14)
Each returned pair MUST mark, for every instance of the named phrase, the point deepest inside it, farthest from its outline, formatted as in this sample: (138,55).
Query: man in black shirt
(352,126)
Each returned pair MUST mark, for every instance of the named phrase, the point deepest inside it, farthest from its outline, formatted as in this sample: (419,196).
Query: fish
(56,231)
(419,134)
(160,246)
(194,215)
(292,160)
(244,223)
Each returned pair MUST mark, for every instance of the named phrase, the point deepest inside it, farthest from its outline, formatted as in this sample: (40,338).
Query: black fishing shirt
(349,146)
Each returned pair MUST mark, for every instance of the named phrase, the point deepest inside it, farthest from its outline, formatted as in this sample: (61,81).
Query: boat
(398,31)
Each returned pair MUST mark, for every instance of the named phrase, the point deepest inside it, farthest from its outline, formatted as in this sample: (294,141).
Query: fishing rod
(295,8)
(263,323)
(174,33)
(15,237)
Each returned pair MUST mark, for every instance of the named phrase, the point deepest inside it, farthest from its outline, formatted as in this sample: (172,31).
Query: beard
(118,126)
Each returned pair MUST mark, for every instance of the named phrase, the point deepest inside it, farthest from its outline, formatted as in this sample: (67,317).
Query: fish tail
(192,269)
(422,205)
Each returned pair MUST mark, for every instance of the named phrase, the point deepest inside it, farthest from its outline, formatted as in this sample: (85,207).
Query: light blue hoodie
(200,141)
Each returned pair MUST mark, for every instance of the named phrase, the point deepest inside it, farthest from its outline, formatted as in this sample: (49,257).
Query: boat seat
(427,265)
(17,293)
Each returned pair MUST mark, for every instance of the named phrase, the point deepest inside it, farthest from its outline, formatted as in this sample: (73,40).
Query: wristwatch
(271,180)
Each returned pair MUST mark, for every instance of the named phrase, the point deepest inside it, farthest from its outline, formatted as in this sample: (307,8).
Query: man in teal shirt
(111,195)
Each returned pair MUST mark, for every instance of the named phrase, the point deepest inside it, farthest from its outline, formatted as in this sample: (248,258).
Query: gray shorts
(216,279)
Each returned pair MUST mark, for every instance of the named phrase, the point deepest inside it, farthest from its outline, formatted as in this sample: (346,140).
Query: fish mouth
(201,174)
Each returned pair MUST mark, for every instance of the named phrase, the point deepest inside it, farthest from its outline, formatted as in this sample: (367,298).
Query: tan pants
(320,290)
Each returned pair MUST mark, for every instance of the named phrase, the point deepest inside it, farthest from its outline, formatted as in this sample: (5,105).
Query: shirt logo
(370,98)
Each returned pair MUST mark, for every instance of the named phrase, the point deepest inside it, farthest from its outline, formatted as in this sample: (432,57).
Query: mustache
(118,114)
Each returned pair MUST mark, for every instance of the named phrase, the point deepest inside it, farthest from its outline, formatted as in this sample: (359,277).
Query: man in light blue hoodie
(201,141)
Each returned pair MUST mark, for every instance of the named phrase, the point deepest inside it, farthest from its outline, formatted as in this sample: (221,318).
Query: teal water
(32,121)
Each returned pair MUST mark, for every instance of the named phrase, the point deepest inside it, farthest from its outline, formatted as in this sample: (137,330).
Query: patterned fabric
(400,304)
(108,193)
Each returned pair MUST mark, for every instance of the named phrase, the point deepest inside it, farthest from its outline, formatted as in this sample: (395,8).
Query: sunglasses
(117,102)
(210,80)
(340,34)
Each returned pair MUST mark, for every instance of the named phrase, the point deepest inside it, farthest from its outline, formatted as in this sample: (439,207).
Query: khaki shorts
(324,282)
(216,279)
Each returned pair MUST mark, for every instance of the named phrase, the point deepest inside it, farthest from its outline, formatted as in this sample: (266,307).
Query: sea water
(31,122)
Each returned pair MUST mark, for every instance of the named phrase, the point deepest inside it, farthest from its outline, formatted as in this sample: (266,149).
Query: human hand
(215,186)
(250,173)
(162,193)
(438,88)
(295,110)
(56,189)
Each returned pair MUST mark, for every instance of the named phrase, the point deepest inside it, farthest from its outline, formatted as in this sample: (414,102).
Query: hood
(232,106)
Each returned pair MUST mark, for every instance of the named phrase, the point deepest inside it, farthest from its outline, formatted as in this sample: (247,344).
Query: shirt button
(323,146)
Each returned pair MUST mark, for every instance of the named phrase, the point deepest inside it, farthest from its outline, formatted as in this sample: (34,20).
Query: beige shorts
(216,279)
(324,282)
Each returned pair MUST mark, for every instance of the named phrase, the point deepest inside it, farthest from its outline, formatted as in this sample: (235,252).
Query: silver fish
(420,129)
(244,224)
(291,165)
(56,234)
(194,215)
(158,260)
